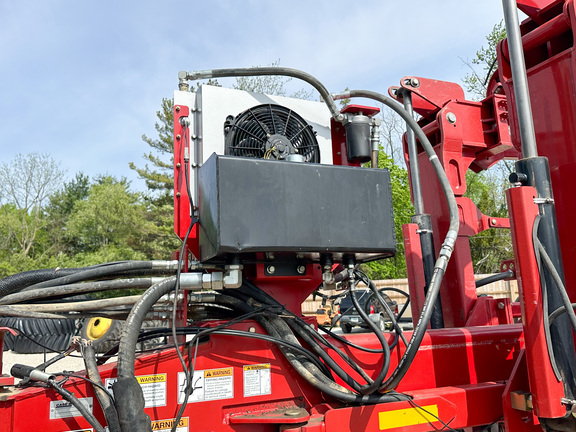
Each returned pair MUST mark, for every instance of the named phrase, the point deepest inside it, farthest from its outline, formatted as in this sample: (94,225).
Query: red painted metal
(466,135)
(182,214)
(450,370)
(551,61)
(5,380)
(546,389)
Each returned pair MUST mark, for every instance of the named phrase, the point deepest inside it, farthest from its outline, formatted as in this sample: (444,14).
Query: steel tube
(518,67)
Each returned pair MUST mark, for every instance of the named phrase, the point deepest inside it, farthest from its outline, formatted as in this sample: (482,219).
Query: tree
(270,84)
(484,63)
(395,267)
(26,183)
(60,208)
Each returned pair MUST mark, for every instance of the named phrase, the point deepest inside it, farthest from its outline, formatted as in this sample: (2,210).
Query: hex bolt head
(414,82)
(271,269)
(494,221)
(451,117)
(501,305)
(301,269)
(177,108)
(178,137)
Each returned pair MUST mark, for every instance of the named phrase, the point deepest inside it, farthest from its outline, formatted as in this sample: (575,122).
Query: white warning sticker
(168,424)
(207,385)
(257,380)
(153,388)
(63,409)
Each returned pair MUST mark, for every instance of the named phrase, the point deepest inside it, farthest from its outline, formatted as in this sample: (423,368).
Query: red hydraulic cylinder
(546,389)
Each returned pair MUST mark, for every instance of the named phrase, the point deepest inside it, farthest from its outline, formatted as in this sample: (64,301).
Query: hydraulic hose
(447,246)
(95,273)
(79,288)
(270,70)
(495,278)
(89,355)
(374,386)
(127,391)
(69,396)
(19,281)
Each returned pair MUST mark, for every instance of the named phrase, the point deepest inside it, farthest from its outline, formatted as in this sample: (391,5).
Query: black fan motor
(270,132)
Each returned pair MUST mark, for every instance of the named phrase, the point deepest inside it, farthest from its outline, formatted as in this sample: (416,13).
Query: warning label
(167,425)
(207,385)
(153,388)
(257,380)
(63,409)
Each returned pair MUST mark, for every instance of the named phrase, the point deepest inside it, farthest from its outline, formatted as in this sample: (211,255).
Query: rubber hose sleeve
(19,281)
(127,390)
(89,355)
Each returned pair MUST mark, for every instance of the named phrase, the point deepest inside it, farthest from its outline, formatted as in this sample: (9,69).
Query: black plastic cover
(255,205)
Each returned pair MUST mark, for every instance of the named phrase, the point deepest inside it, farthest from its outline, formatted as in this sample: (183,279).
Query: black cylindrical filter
(358,147)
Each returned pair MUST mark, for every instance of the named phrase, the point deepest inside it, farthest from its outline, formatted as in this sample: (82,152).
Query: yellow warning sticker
(408,417)
(256,367)
(168,424)
(212,373)
(150,379)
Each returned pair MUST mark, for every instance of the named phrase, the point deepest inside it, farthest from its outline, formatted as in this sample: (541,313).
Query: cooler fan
(270,132)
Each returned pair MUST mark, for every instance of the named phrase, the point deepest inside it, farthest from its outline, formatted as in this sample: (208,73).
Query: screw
(451,117)
(177,109)
(500,305)
(301,269)
(271,269)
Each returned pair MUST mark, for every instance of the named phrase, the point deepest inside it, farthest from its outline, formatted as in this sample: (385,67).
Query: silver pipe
(521,92)
(413,157)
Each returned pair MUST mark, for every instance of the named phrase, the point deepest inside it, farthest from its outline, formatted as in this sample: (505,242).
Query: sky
(82,80)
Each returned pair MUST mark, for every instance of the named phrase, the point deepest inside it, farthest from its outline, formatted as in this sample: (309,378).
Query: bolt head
(177,108)
(301,269)
(271,269)
(451,117)
(415,82)
(500,305)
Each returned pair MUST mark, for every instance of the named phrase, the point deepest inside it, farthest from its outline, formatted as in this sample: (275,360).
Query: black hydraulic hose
(347,342)
(558,312)
(79,288)
(558,282)
(269,70)
(127,391)
(69,396)
(80,306)
(320,340)
(102,395)
(19,281)
(495,278)
(375,385)
(445,250)
(335,367)
(95,273)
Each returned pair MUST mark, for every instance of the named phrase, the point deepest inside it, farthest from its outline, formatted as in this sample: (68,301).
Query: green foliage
(394,268)
(490,247)
(484,63)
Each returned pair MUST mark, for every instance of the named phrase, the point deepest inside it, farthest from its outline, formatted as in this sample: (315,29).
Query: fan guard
(270,132)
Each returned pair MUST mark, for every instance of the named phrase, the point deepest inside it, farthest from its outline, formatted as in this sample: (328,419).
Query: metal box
(255,205)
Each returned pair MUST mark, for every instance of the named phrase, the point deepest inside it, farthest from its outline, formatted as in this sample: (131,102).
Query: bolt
(178,137)
(414,82)
(271,269)
(252,330)
(451,117)
(501,305)
(178,194)
(301,269)
(494,221)
(177,109)
(293,412)
(178,165)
